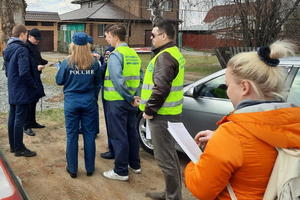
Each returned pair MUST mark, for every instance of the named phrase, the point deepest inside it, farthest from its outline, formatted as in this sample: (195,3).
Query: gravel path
(45,103)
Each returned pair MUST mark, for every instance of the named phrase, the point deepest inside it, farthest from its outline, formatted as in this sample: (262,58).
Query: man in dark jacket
(110,153)
(38,65)
(22,88)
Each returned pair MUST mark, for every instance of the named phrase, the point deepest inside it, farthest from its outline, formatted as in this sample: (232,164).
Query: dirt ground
(44,177)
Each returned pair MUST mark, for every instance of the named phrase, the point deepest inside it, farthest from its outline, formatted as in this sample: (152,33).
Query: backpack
(284,182)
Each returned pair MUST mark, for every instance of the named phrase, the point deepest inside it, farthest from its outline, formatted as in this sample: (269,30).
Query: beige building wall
(136,39)
(131,6)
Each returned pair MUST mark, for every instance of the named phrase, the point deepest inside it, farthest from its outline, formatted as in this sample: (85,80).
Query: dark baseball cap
(36,33)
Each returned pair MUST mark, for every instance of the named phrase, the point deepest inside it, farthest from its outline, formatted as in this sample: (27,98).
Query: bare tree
(254,22)
(156,7)
(11,13)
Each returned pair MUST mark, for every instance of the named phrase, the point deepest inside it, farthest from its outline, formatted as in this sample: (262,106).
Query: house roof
(41,16)
(220,11)
(225,11)
(80,1)
(104,11)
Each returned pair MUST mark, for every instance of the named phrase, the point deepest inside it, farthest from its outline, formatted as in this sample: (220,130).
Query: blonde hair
(267,81)
(81,56)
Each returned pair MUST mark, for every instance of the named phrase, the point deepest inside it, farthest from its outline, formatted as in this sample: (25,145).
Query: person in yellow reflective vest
(161,101)
(121,86)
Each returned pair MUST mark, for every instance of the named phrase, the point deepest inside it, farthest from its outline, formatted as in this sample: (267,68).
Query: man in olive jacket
(21,88)
(161,101)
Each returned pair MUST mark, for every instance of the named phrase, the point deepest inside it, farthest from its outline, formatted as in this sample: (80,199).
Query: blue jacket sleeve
(115,68)
(24,68)
(60,75)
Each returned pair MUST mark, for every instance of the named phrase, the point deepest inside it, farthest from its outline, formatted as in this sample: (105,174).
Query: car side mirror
(190,92)
(194,91)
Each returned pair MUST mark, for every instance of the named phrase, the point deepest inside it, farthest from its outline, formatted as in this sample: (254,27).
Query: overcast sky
(60,6)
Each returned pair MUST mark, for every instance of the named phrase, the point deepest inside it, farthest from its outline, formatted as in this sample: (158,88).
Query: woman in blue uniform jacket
(80,75)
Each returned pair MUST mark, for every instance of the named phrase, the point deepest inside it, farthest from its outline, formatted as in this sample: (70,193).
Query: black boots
(25,152)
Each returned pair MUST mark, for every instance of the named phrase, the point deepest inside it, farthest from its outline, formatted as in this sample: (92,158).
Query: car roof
(295,61)
(290,61)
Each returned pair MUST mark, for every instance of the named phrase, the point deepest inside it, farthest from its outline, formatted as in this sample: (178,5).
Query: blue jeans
(122,119)
(88,116)
(16,120)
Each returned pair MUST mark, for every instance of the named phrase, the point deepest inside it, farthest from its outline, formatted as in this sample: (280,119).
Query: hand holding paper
(185,140)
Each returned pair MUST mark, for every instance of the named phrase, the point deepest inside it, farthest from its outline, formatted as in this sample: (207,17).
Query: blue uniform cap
(80,38)
(90,40)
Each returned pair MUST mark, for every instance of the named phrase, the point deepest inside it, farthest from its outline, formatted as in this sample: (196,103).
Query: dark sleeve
(41,61)
(165,71)
(101,60)
(102,72)
(34,50)
(98,78)
(4,64)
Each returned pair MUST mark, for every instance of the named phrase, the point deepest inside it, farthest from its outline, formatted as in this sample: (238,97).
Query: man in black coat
(22,88)
(39,64)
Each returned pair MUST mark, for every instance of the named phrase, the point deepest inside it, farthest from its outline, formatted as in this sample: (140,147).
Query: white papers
(185,140)
(148,132)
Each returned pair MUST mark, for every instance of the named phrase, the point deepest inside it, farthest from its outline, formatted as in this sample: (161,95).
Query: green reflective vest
(131,74)
(173,103)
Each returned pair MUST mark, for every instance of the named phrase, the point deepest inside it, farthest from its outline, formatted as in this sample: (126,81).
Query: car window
(214,88)
(294,94)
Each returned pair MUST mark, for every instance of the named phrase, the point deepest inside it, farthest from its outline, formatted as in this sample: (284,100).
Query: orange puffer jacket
(242,152)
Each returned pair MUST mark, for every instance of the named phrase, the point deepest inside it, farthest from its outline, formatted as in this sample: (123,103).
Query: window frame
(170,2)
(199,89)
(103,32)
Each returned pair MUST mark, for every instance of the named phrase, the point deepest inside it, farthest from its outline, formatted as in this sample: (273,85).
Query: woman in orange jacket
(242,150)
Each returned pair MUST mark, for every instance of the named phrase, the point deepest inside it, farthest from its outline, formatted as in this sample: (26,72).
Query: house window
(47,23)
(90,4)
(167,6)
(30,23)
(101,28)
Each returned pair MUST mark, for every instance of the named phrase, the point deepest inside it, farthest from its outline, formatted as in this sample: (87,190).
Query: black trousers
(17,116)
(30,119)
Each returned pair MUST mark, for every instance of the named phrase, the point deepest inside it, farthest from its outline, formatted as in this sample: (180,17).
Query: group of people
(159,94)
(240,152)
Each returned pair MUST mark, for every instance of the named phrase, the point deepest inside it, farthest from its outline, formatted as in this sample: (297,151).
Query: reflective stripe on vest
(130,73)
(173,102)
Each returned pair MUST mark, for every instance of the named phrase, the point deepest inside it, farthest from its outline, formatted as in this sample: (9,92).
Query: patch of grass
(48,75)
(200,65)
(3,120)
(48,117)
(51,116)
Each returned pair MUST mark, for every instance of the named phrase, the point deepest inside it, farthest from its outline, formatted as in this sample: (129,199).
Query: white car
(205,101)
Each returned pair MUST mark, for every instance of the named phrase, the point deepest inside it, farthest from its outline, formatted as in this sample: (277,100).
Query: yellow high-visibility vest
(131,74)
(173,103)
